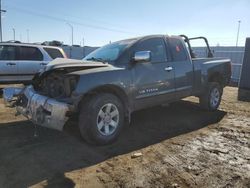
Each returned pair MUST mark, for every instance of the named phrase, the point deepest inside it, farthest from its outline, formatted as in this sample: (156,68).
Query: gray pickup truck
(117,79)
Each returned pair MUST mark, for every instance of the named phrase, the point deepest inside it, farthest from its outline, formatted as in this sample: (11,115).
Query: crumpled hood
(60,63)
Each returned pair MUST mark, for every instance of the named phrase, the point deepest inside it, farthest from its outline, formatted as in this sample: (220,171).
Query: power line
(60,13)
(71,21)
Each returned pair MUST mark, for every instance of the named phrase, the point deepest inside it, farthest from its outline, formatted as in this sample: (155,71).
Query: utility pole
(72,33)
(72,38)
(28,35)
(1,35)
(83,47)
(14,34)
(238,33)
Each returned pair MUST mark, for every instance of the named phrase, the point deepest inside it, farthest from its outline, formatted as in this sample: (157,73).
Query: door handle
(10,63)
(168,69)
(43,63)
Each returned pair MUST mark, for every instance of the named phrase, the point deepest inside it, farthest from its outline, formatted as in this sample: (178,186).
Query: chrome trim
(142,56)
(168,68)
(156,93)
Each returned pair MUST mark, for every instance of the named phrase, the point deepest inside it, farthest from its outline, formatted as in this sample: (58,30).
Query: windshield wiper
(96,59)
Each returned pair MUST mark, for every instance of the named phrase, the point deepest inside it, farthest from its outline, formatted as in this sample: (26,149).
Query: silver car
(19,62)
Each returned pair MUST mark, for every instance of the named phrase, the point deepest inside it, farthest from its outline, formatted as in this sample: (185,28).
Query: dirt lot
(181,146)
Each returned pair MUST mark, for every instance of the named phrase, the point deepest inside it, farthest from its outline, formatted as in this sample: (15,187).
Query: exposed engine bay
(57,84)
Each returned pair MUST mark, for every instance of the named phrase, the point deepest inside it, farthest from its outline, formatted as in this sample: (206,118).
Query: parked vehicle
(118,79)
(19,62)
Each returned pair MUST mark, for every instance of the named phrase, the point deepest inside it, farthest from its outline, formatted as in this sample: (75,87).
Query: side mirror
(142,56)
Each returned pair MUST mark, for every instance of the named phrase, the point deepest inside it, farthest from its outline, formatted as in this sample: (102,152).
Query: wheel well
(217,77)
(115,90)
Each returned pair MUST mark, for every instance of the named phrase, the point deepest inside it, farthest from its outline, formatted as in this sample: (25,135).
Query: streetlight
(14,34)
(1,10)
(238,32)
(72,33)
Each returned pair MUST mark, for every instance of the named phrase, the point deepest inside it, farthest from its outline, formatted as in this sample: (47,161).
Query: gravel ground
(181,146)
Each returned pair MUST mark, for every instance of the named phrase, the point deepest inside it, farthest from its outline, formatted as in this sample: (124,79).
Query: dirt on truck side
(180,145)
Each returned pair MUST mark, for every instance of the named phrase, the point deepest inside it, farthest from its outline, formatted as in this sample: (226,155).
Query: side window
(30,54)
(7,52)
(53,53)
(157,48)
(177,49)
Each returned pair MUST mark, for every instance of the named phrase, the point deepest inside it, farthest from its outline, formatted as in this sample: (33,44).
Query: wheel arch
(217,77)
(113,89)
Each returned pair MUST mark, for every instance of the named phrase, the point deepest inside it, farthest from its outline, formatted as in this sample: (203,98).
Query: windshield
(109,52)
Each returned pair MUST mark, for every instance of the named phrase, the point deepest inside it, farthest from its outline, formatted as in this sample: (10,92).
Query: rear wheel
(211,99)
(101,119)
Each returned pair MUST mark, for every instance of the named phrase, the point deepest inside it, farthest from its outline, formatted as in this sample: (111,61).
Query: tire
(211,99)
(101,119)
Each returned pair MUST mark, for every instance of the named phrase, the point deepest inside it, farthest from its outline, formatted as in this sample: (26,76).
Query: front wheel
(101,119)
(211,99)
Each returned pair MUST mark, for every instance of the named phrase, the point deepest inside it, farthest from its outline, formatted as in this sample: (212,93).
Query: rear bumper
(40,109)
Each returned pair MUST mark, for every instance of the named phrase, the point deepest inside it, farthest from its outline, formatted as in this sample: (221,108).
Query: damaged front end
(10,95)
(48,101)
(40,109)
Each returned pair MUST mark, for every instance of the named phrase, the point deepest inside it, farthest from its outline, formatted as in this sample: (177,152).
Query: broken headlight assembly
(58,86)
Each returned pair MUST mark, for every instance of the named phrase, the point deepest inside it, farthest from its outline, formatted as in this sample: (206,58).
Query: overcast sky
(101,21)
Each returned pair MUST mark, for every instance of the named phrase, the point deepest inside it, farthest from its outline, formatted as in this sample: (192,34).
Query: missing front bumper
(41,110)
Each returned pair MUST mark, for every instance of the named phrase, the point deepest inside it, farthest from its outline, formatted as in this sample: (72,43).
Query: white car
(19,62)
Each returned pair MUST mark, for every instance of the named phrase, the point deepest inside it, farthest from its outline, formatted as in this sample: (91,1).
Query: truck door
(30,62)
(8,64)
(154,80)
(183,67)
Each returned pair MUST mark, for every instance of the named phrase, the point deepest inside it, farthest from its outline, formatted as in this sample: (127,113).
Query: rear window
(54,53)
(7,52)
(177,49)
(30,54)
